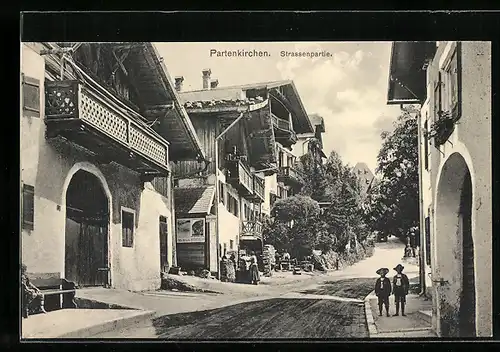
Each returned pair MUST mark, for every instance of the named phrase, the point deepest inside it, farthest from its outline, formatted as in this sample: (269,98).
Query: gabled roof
(236,95)
(407,72)
(317,120)
(194,200)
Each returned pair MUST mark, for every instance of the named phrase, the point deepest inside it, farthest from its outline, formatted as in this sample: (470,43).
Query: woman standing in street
(254,270)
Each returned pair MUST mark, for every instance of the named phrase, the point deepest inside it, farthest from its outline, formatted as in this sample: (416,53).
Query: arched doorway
(87,219)
(455,250)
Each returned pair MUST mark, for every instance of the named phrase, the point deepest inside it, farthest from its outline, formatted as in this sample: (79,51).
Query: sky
(349,88)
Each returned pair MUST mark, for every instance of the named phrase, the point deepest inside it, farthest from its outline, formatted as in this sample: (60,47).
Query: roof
(236,96)
(194,200)
(407,72)
(156,89)
(317,120)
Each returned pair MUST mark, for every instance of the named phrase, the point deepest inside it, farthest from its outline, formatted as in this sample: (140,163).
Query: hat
(382,271)
(399,267)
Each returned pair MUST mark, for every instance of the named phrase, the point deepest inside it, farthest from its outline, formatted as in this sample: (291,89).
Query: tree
(393,204)
(295,226)
(311,168)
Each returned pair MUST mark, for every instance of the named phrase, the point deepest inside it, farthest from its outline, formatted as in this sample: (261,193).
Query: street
(319,306)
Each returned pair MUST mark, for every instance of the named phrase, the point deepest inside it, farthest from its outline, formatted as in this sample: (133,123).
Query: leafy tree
(311,168)
(393,203)
(295,225)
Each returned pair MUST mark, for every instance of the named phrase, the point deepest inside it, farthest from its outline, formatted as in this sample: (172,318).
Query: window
(128,219)
(28,207)
(232,205)
(31,96)
(426,144)
(225,248)
(231,244)
(450,83)
(367,182)
(221,193)
(160,184)
(428,240)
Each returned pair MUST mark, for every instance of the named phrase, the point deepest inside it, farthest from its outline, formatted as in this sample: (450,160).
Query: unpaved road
(271,314)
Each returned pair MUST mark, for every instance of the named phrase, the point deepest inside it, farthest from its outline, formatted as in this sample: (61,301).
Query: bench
(51,284)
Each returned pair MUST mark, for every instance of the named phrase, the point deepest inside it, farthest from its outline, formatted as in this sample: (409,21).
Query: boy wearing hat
(401,285)
(383,290)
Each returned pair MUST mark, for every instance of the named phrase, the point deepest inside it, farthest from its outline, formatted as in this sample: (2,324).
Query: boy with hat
(383,290)
(401,285)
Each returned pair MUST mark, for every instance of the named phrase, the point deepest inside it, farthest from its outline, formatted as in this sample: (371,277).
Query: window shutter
(455,77)
(28,205)
(31,96)
(437,97)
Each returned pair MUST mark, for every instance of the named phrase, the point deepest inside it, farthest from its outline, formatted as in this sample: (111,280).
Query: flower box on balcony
(88,118)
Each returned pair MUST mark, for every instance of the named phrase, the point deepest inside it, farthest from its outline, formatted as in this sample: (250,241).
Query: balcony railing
(251,228)
(258,189)
(86,117)
(284,131)
(290,176)
(239,176)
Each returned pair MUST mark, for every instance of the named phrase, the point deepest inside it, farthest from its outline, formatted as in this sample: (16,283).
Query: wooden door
(92,254)
(164,262)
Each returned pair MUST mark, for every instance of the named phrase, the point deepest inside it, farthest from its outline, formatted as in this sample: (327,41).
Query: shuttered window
(128,219)
(31,96)
(28,205)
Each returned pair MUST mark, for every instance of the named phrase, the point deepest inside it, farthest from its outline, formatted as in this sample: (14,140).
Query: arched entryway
(455,250)
(86,237)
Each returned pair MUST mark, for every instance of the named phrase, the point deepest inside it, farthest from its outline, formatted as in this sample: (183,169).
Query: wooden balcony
(283,131)
(251,230)
(290,176)
(87,118)
(258,189)
(239,176)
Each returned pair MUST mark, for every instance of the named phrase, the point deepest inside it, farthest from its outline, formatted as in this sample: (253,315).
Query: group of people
(248,268)
(399,287)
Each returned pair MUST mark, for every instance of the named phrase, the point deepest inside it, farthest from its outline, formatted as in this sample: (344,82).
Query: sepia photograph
(263,190)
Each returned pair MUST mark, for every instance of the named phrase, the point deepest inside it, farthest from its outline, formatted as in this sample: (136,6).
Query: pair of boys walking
(400,287)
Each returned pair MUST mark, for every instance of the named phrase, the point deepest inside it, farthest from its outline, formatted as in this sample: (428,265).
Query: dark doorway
(164,264)
(87,218)
(468,298)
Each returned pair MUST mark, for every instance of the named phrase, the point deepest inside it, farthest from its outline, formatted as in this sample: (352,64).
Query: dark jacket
(401,287)
(384,291)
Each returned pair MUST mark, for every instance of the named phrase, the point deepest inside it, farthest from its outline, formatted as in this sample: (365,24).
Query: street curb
(110,325)
(372,328)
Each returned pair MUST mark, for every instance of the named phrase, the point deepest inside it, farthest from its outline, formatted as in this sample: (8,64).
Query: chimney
(178,83)
(206,78)
(214,83)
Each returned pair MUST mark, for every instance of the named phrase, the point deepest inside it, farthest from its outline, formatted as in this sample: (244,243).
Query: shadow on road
(268,319)
(357,288)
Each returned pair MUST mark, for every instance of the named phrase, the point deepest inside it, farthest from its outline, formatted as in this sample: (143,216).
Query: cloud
(350,95)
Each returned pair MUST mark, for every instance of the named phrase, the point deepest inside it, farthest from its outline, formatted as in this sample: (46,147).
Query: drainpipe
(217,195)
(421,250)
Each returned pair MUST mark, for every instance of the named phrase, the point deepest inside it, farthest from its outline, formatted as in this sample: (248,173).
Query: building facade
(244,131)
(97,148)
(452,83)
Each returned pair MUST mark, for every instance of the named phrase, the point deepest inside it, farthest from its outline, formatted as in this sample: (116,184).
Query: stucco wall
(48,165)
(472,140)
